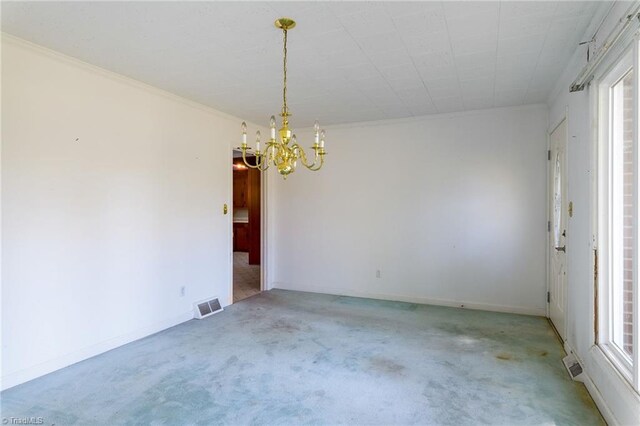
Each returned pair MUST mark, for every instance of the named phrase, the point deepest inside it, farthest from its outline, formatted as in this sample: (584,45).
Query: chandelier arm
(315,168)
(319,154)
(321,162)
(264,160)
(267,157)
(303,157)
(258,157)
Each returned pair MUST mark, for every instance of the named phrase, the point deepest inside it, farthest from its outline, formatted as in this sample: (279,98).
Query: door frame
(263,225)
(563,119)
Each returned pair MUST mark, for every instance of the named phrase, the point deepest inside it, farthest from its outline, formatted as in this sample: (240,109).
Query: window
(618,216)
(622,212)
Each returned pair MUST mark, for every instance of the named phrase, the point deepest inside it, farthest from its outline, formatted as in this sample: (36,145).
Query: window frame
(628,366)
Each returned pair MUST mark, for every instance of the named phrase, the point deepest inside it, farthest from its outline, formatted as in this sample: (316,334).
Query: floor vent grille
(573,367)
(207,308)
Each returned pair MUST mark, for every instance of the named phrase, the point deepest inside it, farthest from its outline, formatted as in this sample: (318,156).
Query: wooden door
(558,238)
(253,203)
(240,188)
(240,237)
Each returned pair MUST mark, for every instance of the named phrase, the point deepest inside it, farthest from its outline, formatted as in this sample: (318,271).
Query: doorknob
(562,249)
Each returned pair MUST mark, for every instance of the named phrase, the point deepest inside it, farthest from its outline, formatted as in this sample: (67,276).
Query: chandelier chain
(285,110)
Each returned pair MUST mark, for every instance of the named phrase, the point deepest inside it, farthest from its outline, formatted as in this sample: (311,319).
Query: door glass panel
(557,200)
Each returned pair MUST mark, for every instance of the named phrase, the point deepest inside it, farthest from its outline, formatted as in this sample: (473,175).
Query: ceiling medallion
(284,152)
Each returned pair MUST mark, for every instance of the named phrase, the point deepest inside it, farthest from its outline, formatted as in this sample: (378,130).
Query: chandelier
(284,152)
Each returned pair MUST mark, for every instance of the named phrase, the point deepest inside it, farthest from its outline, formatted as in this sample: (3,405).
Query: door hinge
(548,297)
(549,155)
(548,226)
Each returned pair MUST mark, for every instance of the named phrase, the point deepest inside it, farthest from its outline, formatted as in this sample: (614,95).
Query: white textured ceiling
(348,61)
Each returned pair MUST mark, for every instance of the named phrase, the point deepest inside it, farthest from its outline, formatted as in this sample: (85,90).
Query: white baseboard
(618,395)
(15,378)
(593,390)
(412,299)
(609,390)
(599,400)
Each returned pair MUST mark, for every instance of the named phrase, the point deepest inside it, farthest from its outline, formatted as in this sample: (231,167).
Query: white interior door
(558,216)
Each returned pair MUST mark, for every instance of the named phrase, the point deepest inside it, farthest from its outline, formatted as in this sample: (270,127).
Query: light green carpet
(287,357)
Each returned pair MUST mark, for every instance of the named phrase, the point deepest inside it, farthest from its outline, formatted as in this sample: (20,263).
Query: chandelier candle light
(284,152)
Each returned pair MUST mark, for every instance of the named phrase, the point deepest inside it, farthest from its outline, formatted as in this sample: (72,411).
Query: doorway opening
(246,228)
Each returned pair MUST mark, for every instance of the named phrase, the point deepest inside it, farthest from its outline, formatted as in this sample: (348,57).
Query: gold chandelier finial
(278,151)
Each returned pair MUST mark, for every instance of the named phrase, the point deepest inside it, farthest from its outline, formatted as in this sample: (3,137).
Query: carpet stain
(386,366)
(285,326)
(537,352)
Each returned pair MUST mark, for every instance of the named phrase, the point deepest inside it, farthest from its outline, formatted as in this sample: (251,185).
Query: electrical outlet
(377,273)
(183,291)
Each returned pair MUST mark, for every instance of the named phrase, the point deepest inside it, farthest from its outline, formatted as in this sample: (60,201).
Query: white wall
(112,197)
(616,399)
(450,208)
